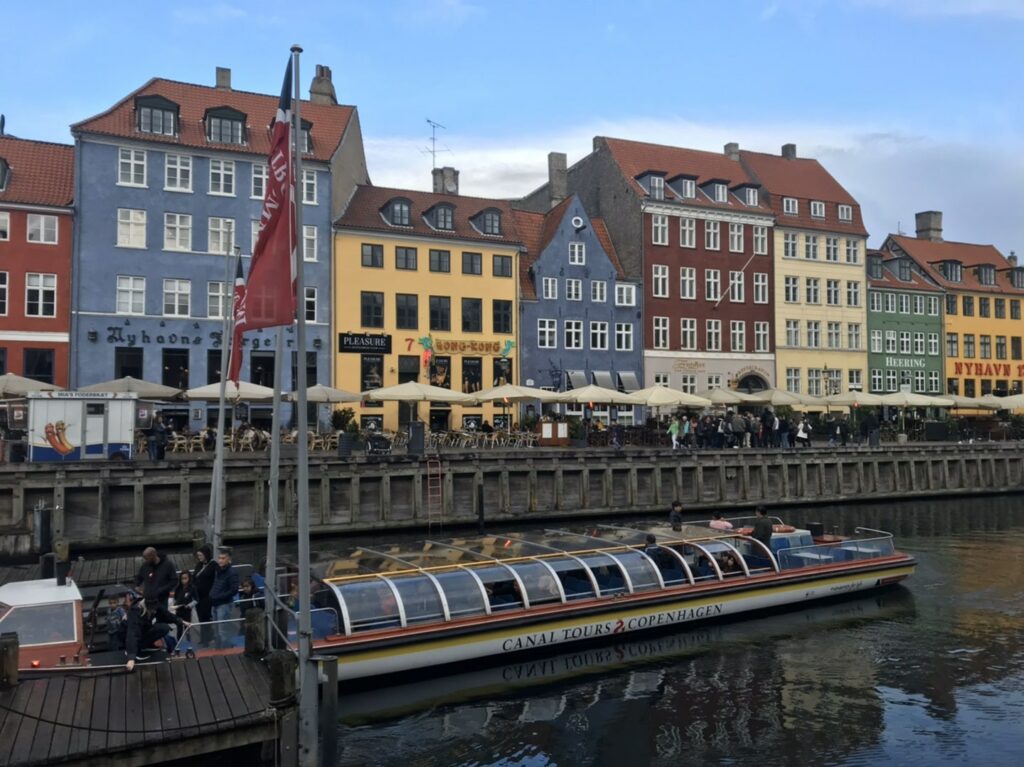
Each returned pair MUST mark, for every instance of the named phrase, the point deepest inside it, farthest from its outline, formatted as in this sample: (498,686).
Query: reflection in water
(932,673)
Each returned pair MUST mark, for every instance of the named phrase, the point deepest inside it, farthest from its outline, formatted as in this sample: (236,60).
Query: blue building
(169,183)
(579,315)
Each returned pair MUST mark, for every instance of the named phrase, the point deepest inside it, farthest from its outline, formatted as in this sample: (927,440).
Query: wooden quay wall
(125,503)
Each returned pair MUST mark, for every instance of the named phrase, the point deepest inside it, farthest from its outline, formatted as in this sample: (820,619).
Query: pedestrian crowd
(736,429)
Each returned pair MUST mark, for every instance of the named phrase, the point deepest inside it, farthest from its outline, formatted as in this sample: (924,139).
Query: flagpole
(308,673)
(271,583)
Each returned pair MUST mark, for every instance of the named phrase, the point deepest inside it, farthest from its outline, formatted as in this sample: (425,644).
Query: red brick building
(36,189)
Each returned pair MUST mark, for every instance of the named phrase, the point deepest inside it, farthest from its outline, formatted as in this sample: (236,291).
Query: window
(308,187)
(846,213)
(310,306)
(721,193)
(712,284)
(407,311)
(918,343)
(760,287)
(131,167)
(813,334)
(573,334)
(661,379)
(625,295)
(217,301)
(760,336)
(984,307)
(738,335)
(832,292)
(853,293)
(713,335)
(501,315)
(259,181)
(178,173)
(832,249)
(876,380)
(833,332)
(711,235)
(5,225)
(760,240)
(550,288)
(573,290)
(987,274)
(598,291)
(131,228)
(659,229)
(968,306)
(933,381)
(547,334)
(790,206)
(472,315)
(177,231)
(735,238)
(599,335)
(687,232)
(577,253)
(661,332)
(933,344)
(131,295)
(876,341)
(890,342)
(309,239)
(688,334)
(1000,308)
(128,362)
(687,382)
(811,246)
(814,382)
(918,304)
(659,281)
(40,295)
(1015,347)
(371,309)
(3,306)
(792,289)
(852,252)
(405,258)
(177,298)
(657,187)
(472,263)
(222,177)
(853,336)
(875,300)
(501,266)
(793,380)
(689,188)
(903,269)
(854,380)
(952,345)
(918,380)
(933,306)
(225,129)
(38,365)
(890,302)
(813,295)
(400,213)
(440,261)
(969,345)
(42,229)
(254,232)
(222,235)
(1014,309)
(751,195)
(985,347)
(440,313)
(890,380)
(817,209)
(737,293)
(443,217)
(156,120)
(793,333)
(953,270)
(789,242)
(373,255)
(1000,347)
(623,337)
(492,222)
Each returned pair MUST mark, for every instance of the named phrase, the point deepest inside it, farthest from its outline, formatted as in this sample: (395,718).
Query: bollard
(255,633)
(8,660)
(328,709)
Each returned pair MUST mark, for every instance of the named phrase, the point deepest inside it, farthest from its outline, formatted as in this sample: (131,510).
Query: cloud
(1011,9)
(893,173)
(446,13)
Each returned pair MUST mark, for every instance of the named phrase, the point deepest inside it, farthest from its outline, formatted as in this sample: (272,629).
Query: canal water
(929,673)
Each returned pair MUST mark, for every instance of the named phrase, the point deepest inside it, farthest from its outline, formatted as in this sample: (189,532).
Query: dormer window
(987,274)
(846,213)
(903,269)
(5,171)
(657,188)
(225,126)
(689,188)
(305,138)
(721,193)
(1017,277)
(155,114)
(790,206)
(875,267)
(399,213)
(751,195)
(491,222)
(952,270)
(444,217)
(817,209)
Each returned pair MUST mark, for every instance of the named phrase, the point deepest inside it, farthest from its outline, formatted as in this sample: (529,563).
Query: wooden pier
(85,572)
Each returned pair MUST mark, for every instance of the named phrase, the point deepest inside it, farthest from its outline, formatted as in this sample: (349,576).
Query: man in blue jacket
(222,595)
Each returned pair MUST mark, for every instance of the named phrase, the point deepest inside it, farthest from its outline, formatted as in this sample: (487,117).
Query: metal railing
(881,545)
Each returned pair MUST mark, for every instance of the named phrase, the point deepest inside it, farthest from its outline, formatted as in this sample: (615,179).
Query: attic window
(1017,277)
(845,213)
(952,271)
(400,213)
(225,126)
(657,188)
(987,274)
(790,206)
(904,269)
(721,193)
(5,171)
(155,114)
(304,134)
(751,197)
(443,218)
(817,209)
(689,188)
(492,222)
(875,267)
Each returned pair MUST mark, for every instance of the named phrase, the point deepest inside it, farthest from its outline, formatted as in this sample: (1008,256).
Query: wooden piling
(8,660)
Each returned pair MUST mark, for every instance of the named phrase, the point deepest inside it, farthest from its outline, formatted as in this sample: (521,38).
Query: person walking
(673,431)
(223,593)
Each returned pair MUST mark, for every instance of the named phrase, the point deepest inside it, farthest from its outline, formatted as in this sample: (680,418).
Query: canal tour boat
(392,611)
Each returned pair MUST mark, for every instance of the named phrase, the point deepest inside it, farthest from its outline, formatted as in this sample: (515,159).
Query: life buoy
(745,530)
(783,529)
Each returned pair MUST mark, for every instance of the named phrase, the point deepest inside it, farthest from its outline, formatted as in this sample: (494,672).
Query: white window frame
(905,342)
(812,290)
(254,232)
(919,343)
(891,382)
(852,293)
(737,288)
(224,172)
(657,184)
(919,305)
(131,228)
(625,295)
(547,334)
(721,193)
(218,300)
(309,187)
(549,288)
(713,335)
(5,226)
(661,379)
(4,297)
(793,380)
(904,303)
(260,174)
(791,289)
(178,223)
(853,335)
(577,253)
(751,197)
(790,245)
(760,240)
(133,290)
(177,166)
(738,335)
(623,336)
(845,213)
(735,238)
(833,293)
(309,243)
(874,301)
(852,251)
(890,303)
(129,163)
(933,344)
(659,281)
(599,335)
(688,334)
(933,306)
(832,249)
(573,289)
(310,303)
(712,285)
(834,335)
(790,206)
(933,381)
(659,229)
(217,228)
(876,380)
(891,341)
(598,291)
(817,209)
(712,235)
(659,332)
(793,333)
(687,283)
(760,287)
(813,334)
(876,341)
(811,247)
(687,232)
(761,337)
(176,289)
(40,283)
(42,229)
(687,382)
(573,334)
(689,188)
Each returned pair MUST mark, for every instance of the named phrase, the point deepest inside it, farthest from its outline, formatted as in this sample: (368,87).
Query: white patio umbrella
(777,397)
(724,396)
(12,385)
(243,391)
(321,394)
(662,396)
(980,403)
(413,391)
(854,398)
(515,393)
(598,395)
(129,385)
(912,399)
(1012,402)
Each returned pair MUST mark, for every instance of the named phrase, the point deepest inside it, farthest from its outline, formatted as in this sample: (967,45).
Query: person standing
(762,527)
(717,523)
(184,596)
(223,593)
(202,580)
(675,516)
(156,578)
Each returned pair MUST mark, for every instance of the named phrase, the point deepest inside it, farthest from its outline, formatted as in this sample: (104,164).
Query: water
(929,673)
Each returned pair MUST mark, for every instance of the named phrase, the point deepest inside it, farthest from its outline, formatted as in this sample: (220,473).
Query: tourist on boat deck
(249,597)
(762,527)
(202,577)
(222,595)
(718,523)
(117,615)
(184,596)
(149,627)
(675,516)
(729,564)
(156,578)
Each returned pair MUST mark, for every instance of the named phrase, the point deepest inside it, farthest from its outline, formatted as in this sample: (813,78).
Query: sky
(911,104)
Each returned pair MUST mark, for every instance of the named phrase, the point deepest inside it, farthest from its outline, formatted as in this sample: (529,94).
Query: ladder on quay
(435,493)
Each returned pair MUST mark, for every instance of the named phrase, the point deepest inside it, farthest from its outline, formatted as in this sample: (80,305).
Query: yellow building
(425,289)
(982,318)
(820,278)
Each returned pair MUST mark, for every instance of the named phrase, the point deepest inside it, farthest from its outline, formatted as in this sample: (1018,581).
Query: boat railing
(737,522)
(844,551)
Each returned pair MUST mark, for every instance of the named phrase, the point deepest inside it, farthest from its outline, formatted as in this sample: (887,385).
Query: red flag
(269,297)
(238,315)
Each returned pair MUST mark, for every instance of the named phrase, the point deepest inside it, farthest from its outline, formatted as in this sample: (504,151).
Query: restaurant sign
(362,343)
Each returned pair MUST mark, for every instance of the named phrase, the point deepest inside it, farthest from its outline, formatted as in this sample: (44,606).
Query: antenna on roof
(432,150)
(3,121)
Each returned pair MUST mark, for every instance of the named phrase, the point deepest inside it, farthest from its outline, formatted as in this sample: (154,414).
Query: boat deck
(85,572)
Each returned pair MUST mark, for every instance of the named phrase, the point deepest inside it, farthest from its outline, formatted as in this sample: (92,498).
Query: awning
(604,378)
(577,379)
(629,382)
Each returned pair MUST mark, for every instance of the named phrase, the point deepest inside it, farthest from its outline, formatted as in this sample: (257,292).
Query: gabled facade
(578,311)
(170,181)
(904,326)
(819,301)
(36,230)
(425,289)
(982,313)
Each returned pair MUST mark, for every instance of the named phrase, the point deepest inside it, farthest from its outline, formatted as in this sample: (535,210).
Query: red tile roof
(929,254)
(329,121)
(635,158)
(601,230)
(890,281)
(40,173)
(806,180)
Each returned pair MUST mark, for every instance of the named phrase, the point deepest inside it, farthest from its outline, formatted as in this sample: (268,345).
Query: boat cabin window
(502,589)
(371,605)
(40,624)
(462,592)
(574,578)
(752,553)
(671,570)
(607,573)
(419,598)
(540,585)
(640,569)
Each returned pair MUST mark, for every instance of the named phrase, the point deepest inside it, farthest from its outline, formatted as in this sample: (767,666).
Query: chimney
(789,151)
(446,180)
(929,225)
(1012,258)
(223,78)
(732,150)
(558,179)
(321,91)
